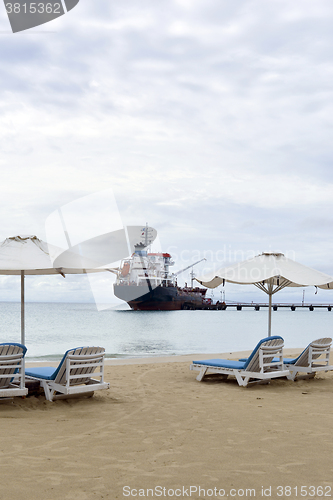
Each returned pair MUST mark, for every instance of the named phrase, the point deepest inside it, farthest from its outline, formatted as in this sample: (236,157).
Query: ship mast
(146,235)
(192,277)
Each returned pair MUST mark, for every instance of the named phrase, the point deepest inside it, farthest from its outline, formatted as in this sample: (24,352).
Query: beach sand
(158,427)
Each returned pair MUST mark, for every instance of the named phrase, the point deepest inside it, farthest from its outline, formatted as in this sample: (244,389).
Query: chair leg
(292,374)
(242,380)
(202,373)
(48,391)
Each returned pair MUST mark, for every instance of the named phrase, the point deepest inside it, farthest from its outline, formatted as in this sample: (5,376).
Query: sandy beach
(158,433)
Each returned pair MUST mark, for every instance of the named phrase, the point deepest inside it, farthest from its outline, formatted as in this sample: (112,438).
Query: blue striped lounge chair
(264,364)
(73,376)
(12,380)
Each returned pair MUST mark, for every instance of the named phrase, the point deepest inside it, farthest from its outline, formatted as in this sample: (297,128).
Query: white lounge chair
(260,365)
(12,370)
(73,374)
(314,358)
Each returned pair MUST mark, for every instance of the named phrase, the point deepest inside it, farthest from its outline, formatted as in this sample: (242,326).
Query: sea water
(52,328)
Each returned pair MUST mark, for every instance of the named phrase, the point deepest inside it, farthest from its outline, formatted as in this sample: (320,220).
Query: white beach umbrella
(270,272)
(28,255)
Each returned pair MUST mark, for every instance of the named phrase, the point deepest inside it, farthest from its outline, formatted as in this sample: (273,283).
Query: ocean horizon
(52,328)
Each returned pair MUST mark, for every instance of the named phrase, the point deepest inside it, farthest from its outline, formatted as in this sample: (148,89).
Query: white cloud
(203,114)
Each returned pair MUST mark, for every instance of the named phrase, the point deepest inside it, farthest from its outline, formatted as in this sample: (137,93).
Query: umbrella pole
(270,315)
(22,309)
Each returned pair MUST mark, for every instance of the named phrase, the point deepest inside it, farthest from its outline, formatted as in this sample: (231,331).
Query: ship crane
(188,267)
(114,270)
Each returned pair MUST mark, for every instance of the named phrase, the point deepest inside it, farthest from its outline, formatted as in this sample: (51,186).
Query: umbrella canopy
(21,255)
(32,255)
(270,272)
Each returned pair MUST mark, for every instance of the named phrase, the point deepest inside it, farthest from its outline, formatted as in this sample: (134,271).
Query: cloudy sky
(209,119)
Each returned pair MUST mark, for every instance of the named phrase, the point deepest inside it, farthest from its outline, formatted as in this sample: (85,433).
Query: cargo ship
(145,283)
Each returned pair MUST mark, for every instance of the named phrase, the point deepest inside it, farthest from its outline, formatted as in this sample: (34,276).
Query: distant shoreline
(186,358)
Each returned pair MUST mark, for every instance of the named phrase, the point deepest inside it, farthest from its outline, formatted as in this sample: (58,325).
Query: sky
(209,119)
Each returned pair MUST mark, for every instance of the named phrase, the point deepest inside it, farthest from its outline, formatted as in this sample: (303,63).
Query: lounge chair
(12,370)
(314,358)
(260,366)
(73,374)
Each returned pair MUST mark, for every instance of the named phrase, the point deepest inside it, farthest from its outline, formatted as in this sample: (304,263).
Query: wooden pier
(257,306)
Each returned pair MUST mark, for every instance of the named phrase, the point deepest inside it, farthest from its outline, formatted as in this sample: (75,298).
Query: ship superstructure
(142,265)
(145,283)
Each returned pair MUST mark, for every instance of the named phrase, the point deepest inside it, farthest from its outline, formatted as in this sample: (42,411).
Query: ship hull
(161,298)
